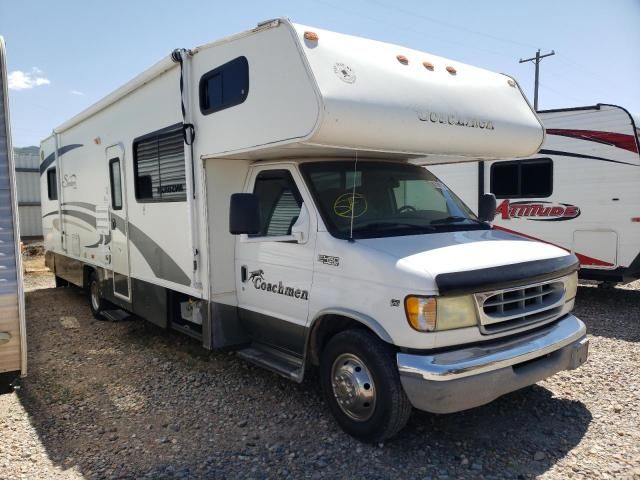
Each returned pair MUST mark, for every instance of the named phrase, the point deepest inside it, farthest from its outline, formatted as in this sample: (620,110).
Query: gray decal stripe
(97,244)
(161,264)
(87,217)
(52,157)
(87,206)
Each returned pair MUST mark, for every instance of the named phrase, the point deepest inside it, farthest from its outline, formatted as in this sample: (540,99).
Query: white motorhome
(581,191)
(13,351)
(256,193)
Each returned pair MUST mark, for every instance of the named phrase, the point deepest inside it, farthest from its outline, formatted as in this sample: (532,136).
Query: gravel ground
(127,400)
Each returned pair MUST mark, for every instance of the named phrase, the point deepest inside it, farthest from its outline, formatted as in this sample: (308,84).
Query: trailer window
(52,184)
(522,179)
(116,184)
(159,168)
(279,201)
(224,86)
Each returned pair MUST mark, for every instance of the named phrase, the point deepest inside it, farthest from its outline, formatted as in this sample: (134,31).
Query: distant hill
(33,150)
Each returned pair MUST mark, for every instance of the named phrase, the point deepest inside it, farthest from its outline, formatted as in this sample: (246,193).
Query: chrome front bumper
(467,377)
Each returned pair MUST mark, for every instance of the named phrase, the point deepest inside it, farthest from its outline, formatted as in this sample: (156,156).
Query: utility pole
(536,60)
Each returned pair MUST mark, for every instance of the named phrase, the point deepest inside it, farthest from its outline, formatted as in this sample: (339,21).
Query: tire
(61,282)
(361,385)
(96,302)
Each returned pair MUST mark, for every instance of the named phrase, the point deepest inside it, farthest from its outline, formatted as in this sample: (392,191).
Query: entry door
(274,272)
(118,223)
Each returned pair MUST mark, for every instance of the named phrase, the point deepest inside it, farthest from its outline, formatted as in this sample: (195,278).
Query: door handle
(243,273)
(113,224)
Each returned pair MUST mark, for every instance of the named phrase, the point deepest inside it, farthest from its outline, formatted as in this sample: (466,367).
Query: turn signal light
(428,65)
(635,219)
(421,313)
(402,59)
(312,36)
(451,70)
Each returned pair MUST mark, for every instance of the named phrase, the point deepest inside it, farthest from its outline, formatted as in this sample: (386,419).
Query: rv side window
(116,184)
(52,184)
(158,166)
(225,86)
(279,202)
(522,179)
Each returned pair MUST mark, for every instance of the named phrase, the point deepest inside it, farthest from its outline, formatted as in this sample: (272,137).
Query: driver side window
(279,202)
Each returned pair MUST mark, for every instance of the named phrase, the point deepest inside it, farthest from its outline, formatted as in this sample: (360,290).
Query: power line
(404,27)
(536,60)
(451,25)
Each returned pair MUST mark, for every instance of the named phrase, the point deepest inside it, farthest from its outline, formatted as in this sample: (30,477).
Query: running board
(285,364)
(185,329)
(115,315)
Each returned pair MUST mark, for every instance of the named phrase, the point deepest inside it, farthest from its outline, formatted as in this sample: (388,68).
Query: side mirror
(487,207)
(244,214)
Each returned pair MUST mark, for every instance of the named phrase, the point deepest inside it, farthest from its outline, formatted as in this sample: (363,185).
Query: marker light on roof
(402,59)
(428,65)
(311,36)
(511,83)
(451,70)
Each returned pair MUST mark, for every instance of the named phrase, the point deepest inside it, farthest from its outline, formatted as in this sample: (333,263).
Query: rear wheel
(96,302)
(361,386)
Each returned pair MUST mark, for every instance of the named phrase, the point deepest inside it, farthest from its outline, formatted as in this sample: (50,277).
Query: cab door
(121,280)
(275,270)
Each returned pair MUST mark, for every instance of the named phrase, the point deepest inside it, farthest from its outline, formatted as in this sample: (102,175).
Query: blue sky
(64,55)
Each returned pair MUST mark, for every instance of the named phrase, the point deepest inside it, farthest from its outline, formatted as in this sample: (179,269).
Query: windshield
(389,199)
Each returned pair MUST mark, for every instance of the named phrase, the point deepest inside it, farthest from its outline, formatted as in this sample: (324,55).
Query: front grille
(521,306)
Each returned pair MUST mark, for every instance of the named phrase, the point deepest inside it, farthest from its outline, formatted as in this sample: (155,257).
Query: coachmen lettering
(453,119)
(257,278)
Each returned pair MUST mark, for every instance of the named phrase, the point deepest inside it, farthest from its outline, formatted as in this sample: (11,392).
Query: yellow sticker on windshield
(347,203)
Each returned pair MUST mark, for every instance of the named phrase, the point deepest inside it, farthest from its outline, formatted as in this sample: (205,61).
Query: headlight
(428,314)
(571,286)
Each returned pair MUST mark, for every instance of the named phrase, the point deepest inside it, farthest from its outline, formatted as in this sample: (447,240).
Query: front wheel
(361,385)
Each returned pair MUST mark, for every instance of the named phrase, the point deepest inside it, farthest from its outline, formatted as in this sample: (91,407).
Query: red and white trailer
(581,191)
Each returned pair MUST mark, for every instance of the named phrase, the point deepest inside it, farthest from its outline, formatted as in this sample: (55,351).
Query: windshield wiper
(375,226)
(453,219)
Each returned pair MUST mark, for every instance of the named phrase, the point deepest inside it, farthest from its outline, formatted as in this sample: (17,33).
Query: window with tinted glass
(116,184)
(158,166)
(522,179)
(52,184)
(279,202)
(224,86)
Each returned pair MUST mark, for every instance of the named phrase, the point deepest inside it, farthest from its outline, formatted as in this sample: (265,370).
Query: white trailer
(13,341)
(581,191)
(256,193)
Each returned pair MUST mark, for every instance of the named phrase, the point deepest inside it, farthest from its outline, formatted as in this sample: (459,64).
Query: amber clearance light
(311,36)
(428,65)
(402,59)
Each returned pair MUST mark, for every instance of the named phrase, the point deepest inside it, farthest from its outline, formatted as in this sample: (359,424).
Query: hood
(436,255)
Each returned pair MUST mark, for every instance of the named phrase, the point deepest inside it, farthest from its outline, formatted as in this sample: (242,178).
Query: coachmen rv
(13,351)
(581,191)
(256,194)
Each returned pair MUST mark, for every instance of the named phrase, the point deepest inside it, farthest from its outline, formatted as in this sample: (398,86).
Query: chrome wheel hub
(95,296)
(353,387)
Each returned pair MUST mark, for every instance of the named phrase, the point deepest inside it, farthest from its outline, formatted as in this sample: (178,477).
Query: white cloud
(19,80)
(77,92)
